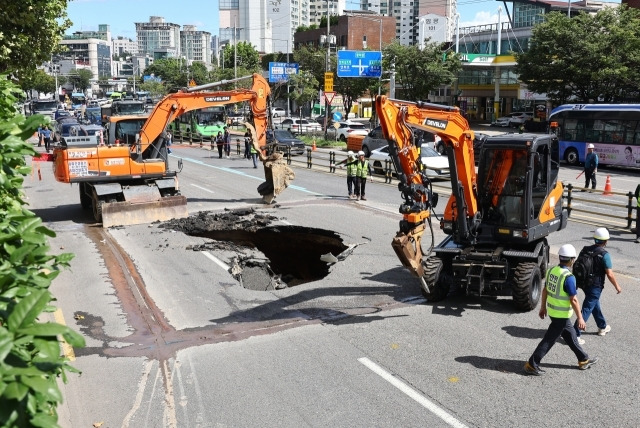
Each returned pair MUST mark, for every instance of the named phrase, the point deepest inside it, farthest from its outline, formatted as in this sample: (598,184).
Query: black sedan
(285,141)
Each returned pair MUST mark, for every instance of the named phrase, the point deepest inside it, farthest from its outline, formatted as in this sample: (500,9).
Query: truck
(124,175)
(122,108)
(496,220)
(45,107)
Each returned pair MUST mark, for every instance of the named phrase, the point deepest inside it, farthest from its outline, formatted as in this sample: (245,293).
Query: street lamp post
(327,68)
(285,71)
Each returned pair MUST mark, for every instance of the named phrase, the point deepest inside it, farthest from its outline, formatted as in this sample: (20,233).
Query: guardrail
(327,160)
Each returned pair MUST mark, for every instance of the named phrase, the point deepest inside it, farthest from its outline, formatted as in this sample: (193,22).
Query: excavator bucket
(126,213)
(277,174)
(142,204)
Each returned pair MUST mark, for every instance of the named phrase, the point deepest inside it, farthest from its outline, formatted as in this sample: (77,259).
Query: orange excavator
(496,220)
(126,179)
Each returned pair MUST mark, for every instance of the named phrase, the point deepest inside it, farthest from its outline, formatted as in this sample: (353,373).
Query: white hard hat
(360,153)
(601,234)
(350,153)
(567,251)
(591,146)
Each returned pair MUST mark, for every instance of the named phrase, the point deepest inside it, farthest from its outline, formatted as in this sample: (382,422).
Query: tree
(29,32)
(418,72)
(80,79)
(38,81)
(597,60)
(155,88)
(172,71)
(303,87)
(352,88)
(248,57)
(313,60)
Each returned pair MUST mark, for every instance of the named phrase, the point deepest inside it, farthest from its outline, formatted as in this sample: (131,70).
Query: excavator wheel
(438,281)
(527,286)
(85,199)
(97,209)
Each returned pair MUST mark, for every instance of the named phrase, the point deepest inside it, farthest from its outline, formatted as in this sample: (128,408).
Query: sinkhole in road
(262,255)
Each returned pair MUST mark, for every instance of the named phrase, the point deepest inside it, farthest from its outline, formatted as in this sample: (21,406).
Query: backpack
(584,268)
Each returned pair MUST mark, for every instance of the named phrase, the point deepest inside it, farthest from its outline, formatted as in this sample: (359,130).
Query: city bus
(206,122)
(614,130)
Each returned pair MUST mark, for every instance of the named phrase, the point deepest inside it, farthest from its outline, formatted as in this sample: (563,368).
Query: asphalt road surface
(173,340)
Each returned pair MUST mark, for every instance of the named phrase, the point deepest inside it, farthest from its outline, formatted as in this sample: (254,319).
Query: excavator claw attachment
(277,173)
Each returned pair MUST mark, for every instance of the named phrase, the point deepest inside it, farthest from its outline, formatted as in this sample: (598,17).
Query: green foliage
(588,58)
(37,80)
(80,79)
(304,87)
(419,72)
(29,32)
(313,59)
(30,360)
(248,57)
(352,88)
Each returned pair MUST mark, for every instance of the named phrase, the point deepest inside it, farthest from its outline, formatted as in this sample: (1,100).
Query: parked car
(235,118)
(299,126)
(512,120)
(437,166)
(286,140)
(320,120)
(66,128)
(278,112)
(373,140)
(345,129)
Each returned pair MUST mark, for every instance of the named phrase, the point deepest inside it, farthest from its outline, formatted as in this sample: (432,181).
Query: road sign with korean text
(360,64)
(280,71)
(328,81)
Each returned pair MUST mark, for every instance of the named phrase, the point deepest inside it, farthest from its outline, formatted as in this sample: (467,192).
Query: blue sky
(122,14)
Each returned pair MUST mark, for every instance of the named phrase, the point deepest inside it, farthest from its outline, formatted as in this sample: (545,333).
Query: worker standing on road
(247,145)
(46,137)
(362,171)
(352,169)
(601,268)
(254,155)
(590,167)
(560,301)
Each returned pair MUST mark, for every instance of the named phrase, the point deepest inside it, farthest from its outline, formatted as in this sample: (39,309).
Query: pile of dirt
(206,221)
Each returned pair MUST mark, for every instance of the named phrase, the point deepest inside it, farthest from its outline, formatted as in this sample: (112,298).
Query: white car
(436,165)
(512,120)
(278,112)
(299,126)
(347,128)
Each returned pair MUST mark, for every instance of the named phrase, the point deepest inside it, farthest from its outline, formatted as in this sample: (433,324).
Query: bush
(30,360)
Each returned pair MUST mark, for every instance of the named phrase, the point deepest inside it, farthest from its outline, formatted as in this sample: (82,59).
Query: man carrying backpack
(593,285)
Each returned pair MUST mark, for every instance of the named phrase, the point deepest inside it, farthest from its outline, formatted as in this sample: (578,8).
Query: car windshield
(428,151)
(283,133)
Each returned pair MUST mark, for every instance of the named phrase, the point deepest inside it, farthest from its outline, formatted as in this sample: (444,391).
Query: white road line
(142,384)
(203,188)
(216,260)
(233,171)
(412,393)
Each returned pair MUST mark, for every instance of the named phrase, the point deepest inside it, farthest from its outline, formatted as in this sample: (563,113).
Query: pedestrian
(254,155)
(46,137)
(169,141)
(220,143)
(247,144)
(601,268)
(352,168)
(560,301)
(362,171)
(227,142)
(590,167)
(637,195)
(40,135)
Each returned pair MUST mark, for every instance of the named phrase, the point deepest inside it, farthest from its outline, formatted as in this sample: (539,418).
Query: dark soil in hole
(291,255)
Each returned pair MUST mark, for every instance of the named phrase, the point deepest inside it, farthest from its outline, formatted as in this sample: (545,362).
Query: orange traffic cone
(607,187)
(313,146)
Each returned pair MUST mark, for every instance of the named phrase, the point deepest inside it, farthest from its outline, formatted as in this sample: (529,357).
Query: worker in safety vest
(362,171)
(352,169)
(560,301)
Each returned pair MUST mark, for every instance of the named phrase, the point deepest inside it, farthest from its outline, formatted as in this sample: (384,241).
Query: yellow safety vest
(362,169)
(352,167)
(558,301)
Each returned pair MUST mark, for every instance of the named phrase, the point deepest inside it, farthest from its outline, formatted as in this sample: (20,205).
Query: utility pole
(326,103)
(235,51)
